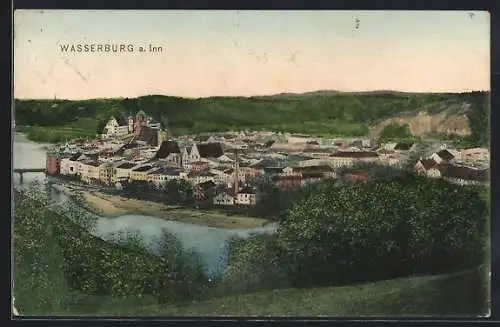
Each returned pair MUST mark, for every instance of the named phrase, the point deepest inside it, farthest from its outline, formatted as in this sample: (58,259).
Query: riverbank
(114,205)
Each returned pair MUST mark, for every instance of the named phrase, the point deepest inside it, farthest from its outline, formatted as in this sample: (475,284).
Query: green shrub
(381,230)
(119,267)
(254,264)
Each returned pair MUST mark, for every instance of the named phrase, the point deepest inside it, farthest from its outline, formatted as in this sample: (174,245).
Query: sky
(244,53)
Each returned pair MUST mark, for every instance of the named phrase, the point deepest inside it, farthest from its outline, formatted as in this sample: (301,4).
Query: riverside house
(247,196)
(69,166)
(90,171)
(122,172)
(225,198)
(106,171)
(160,177)
(141,173)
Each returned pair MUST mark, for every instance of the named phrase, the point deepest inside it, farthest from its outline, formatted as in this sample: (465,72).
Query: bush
(254,264)
(381,230)
(46,240)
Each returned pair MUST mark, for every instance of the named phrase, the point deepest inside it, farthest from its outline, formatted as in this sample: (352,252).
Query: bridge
(21,171)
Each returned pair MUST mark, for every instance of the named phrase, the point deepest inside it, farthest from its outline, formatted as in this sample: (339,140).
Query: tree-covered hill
(322,113)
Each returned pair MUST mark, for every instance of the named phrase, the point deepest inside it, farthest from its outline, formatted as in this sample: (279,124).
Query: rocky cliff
(443,118)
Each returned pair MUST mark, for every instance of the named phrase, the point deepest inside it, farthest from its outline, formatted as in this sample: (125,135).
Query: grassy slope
(460,294)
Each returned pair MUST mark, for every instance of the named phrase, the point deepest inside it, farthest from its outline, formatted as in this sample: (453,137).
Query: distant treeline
(346,114)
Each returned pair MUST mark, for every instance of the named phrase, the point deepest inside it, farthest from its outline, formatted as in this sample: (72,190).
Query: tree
(100,126)
(395,131)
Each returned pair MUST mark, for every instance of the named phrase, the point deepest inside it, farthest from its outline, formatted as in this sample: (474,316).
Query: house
(141,173)
(323,171)
(247,171)
(115,127)
(423,165)
(90,171)
(163,175)
(208,150)
(122,172)
(349,158)
(69,165)
(225,198)
(200,151)
(464,175)
(319,153)
(389,146)
(404,146)
(197,166)
(225,176)
(169,151)
(106,171)
(246,196)
(443,156)
(437,170)
(393,160)
(199,177)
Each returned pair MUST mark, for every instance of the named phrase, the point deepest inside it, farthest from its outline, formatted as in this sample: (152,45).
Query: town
(227,165)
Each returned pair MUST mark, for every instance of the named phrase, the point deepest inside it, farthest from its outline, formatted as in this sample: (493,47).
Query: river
(209,242)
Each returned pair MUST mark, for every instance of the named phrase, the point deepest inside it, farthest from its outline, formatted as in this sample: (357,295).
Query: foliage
(390,228)
(38,283)
(179,192)
(55,252)
(479,121)
(254,265)
(395,131)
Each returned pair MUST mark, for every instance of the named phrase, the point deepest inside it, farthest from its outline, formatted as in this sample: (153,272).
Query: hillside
(321,113)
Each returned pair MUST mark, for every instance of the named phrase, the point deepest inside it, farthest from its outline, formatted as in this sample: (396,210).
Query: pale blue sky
(250,52)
